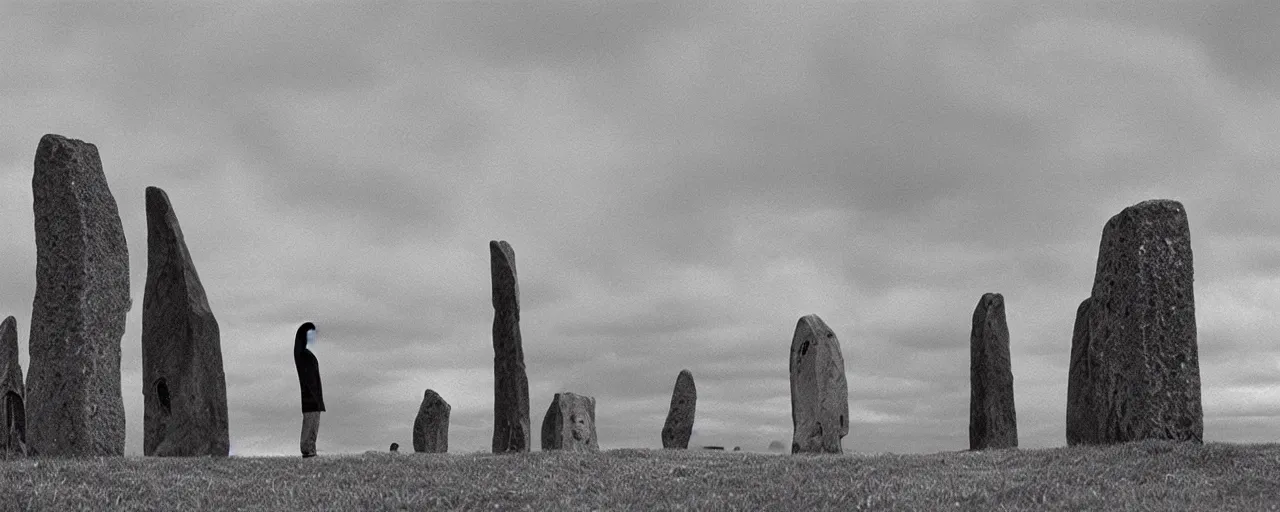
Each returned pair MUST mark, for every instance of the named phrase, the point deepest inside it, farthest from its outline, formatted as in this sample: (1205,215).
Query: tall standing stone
(431,426)
(510,383)
(570,424)
(992,422)
(183,385)
(13,415)
(1135,371)
(684,402)
(74,406)
(819,392)
(1081,427)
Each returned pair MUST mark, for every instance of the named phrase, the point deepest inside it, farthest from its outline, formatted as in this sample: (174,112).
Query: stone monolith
(183,385)
(1135,371)
(511,431)
(13,415)
(684,402)
(570,424)
(431,425)
(992,422)
(74,406)
(819,392)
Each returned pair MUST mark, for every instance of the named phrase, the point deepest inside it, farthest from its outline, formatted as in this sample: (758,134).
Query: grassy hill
(1138,476)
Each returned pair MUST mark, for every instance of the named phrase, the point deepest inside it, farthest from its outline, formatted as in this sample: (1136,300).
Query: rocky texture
(13,416)
(511,431)
(431,426)
(74,406)
(992,422)
(819,393)
(184,387)
(570,424)
(1081,427)
(1135,370)
(684,402)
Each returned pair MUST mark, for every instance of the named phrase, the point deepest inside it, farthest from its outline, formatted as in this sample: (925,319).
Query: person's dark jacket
(308,371)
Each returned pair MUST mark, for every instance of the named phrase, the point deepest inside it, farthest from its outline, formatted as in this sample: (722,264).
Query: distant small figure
(309,381)
(395,447)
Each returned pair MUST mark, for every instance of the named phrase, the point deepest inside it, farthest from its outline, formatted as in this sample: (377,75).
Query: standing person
(309,381)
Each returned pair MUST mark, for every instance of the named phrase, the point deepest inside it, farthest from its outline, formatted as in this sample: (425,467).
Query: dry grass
(1138,476)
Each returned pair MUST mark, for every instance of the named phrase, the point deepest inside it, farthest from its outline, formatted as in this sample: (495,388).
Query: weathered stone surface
(570,424)
(1135,371)
(511,431)
(431,426)
(684,403)
(819,392)
(992,422)
(1081,426)
(74,406)
(183,385)
(13,416)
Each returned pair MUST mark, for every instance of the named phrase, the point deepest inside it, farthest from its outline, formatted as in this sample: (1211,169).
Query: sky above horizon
(680,182)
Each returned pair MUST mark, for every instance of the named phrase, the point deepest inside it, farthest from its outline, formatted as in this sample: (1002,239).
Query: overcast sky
(681,183)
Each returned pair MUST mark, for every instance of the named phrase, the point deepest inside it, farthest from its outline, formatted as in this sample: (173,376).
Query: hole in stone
(162,395)
(804,348)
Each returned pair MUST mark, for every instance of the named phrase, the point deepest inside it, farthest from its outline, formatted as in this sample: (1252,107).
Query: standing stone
(819,393)
(13,416)
(431,426)
(684,402)
(183,385)
(570,424)
(511,431)
(1081,429)
(992,422)
(1135,371)
(74,406)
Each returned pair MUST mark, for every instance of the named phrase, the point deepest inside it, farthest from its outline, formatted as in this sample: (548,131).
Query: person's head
(306,336)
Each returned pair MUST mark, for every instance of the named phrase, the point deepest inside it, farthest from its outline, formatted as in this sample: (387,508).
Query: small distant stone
(431,426)
(684,401)
(570,424)
(737,448)
(395,447)
(992,421)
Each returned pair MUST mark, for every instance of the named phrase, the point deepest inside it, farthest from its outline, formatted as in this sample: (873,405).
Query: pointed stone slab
(684,402)
(511,431)
(13,416)
(819,392)
(74,406)
(570,424)
(1135,371)
(992,421)
(431,425)
(183,385)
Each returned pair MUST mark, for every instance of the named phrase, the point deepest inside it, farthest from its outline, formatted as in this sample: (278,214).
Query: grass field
(1138,476)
